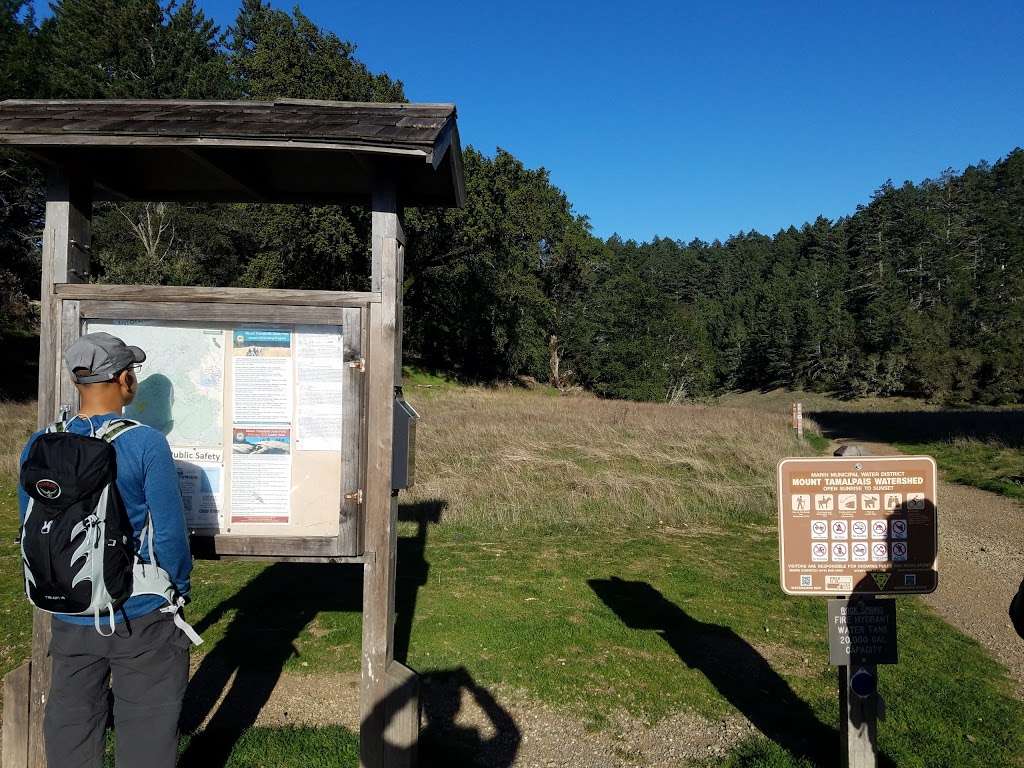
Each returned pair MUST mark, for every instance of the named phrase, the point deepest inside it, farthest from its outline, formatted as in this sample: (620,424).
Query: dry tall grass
(510,457)
(17,422)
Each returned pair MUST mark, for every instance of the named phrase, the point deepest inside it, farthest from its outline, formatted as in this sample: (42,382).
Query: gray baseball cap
(102,355)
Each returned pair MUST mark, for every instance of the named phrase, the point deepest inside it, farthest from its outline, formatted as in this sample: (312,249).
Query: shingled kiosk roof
(282,151)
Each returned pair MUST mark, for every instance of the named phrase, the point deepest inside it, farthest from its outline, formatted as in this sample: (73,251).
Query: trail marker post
(858,529)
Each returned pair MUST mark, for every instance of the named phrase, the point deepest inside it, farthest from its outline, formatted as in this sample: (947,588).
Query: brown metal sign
(858,525)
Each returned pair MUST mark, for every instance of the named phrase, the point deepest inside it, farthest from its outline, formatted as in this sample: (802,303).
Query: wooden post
(800,422)
(858,721)
(66,241)
(381,674)
(16,709)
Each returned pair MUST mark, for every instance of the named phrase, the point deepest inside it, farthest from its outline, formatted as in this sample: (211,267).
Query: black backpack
(77,543)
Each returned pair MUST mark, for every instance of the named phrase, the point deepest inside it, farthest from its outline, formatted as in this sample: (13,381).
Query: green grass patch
(818,443)
(326,747)
(987,465)
(427,385)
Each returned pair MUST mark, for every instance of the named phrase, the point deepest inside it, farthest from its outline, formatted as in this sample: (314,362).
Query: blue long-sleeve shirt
(147,480)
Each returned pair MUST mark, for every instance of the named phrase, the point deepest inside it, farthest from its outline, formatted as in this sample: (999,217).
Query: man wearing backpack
(126,631)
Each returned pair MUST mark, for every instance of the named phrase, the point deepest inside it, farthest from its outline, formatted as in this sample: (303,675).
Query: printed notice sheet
(319,366)
(261,472)
(262,374)
(201,479)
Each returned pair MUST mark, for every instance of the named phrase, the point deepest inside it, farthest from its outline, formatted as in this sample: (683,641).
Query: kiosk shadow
(740,673)
(270,612)
(1005,426)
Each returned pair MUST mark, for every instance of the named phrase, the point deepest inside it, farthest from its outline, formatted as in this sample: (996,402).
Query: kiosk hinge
(356,496)
(359,364)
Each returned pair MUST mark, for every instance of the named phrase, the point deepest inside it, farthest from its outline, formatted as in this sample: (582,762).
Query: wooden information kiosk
(290,151)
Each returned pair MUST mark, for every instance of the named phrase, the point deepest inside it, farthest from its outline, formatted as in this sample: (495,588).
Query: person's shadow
(491,741)
(740,673)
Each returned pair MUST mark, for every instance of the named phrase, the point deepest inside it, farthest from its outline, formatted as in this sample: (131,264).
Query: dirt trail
(981,564)
(539,737)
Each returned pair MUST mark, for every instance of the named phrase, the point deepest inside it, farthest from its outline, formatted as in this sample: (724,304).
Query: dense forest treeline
(920,291)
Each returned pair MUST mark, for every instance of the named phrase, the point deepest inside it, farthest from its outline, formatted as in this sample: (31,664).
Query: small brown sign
(858,525)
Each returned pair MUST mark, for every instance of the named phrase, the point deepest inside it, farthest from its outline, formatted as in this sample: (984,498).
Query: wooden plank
(17,693)
(143,140)
(399,304)
(402,732)
(70,330)
(67,236)
(441,143)
(216,313)
(381,506)
(458,177)
(339,560)
(350,537)
(265,546)
(208,295)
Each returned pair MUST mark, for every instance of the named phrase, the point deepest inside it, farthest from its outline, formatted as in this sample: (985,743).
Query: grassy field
(602,558)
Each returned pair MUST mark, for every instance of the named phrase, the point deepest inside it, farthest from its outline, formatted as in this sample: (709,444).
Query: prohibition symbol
(899,529)
(819,529)
(899,551)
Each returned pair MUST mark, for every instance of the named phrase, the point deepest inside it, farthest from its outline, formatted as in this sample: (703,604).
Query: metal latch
(356,496)
(359,365)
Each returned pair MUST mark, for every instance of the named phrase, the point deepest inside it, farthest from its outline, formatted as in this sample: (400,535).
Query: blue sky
(688,119)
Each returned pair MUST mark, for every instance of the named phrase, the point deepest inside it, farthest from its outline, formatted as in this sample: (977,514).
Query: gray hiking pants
(148,670)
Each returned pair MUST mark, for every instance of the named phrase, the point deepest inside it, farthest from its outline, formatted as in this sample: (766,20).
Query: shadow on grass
(738,671)
(1005,426)
(487,738)
(272,610)
(270,613)
(444,693)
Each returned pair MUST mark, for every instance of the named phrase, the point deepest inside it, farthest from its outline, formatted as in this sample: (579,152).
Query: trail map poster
(863,524)
(253,416)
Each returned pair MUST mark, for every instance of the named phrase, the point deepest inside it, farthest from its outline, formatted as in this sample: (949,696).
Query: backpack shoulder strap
(114,428)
